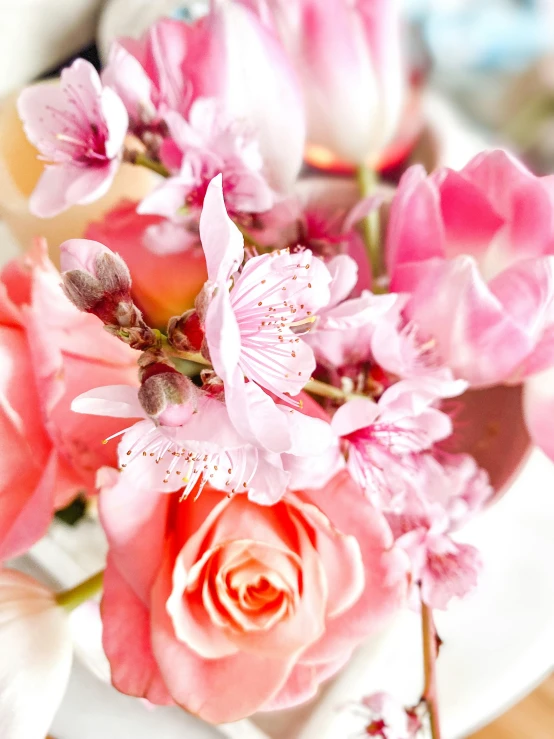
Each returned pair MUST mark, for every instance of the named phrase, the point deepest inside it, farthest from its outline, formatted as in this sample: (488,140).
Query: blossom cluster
(280,421)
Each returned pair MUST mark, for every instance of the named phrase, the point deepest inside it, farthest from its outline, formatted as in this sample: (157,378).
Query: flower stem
(141,160)
(70,599)
(315,387)
(367,183)
(429,634)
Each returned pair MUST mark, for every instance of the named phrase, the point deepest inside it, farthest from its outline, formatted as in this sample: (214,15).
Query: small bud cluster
(101,284)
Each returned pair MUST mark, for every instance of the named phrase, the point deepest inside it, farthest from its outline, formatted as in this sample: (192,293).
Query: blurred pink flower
(52,352)
(37,651)
(442,493)
(229,56)
(79,128)
(389,719)
(226,608)
(148,73)
(168,274)
(475,250)
(348,58)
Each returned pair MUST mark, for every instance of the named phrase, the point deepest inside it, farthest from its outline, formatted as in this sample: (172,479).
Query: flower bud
(96,280)
(167,396)
(185,332)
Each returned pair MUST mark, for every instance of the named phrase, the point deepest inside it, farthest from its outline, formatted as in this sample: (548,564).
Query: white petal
(36,655)
(119,401)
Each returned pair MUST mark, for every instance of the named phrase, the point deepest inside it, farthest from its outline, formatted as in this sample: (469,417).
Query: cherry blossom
(187,444)
(79,128)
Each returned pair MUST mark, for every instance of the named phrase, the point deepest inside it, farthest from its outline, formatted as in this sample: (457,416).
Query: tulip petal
(415,231)
(36,649)
(474,335)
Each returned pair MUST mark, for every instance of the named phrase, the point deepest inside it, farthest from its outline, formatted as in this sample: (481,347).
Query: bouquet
(287,391)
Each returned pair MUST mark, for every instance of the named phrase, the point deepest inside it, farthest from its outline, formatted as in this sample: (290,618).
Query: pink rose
(226,607)
(165,282)
(50,353)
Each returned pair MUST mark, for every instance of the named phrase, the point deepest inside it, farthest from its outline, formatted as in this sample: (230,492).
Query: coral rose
(50,353)
(226,607)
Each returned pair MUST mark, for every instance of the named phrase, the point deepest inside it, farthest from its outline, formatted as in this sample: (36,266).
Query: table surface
(533,718)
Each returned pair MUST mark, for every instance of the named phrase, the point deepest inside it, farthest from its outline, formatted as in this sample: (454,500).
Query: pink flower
(148,73)
(188,444)
(249,328)
(444,491)
(51,352)
(206,146)
(79,128)
(382,438)
(167,278)
(440,566)
(35,641)
(228,55)
(226,608)
(348,59)
(388,719)
(474,250)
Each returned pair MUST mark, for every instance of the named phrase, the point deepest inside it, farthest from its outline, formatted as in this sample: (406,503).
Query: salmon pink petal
(126,641)
(342,501)
(134,520)
(201,686)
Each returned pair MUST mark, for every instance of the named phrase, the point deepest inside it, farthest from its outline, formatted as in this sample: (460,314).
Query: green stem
(141,160)
(315,387)
(367,184)
(429,634)
(70,599)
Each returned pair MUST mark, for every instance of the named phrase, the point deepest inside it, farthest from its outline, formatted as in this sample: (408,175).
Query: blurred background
(481,73)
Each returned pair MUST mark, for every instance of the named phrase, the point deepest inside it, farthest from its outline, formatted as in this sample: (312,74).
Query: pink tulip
(226,607)
(474,250)
(79,128)
(348,58)
(36,648)
(167,278)
(52,353)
